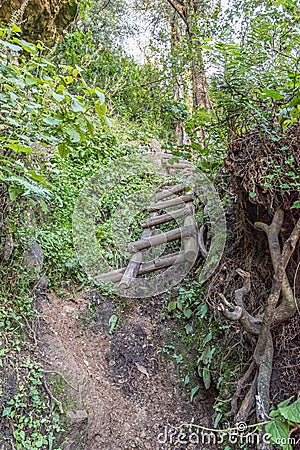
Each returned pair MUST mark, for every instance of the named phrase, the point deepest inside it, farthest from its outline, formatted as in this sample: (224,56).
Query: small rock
(33,258)
(79,415)
(42,284)
(8,248)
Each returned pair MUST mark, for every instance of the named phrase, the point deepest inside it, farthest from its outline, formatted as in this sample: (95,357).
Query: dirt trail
(123,393)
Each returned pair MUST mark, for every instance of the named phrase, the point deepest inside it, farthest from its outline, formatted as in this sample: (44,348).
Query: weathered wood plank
(201,243)
(170,191)
(179,165)
(114,276)
(136,260)
(190,244)
(131,270)
(173,202)
(172,215)
(147,267)
(163,238)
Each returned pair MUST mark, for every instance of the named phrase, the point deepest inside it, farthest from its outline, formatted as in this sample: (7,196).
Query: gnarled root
(280,307)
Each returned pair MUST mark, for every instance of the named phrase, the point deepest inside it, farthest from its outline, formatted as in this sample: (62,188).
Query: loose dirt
(117,390)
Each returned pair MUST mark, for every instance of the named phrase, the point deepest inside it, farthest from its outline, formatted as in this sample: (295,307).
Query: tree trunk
(178,91)
(40,20)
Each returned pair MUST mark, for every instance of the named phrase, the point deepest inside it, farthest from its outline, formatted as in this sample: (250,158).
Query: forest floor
(118,391)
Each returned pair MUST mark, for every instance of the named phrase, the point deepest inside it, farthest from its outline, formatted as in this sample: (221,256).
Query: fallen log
(163,238)
(173,202)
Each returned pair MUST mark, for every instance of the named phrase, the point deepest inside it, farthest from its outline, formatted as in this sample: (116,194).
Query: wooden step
(172,215)
(170,191)
(173,202)
(163,238)
(183,165)
(160,263)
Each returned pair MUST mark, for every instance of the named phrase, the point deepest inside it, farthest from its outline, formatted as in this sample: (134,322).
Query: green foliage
(28,410)
(257,86)
(55,133)
(44,107)
(54,136)
(196,347)
(43,104)
(32,419)
(284,419)
(140,94)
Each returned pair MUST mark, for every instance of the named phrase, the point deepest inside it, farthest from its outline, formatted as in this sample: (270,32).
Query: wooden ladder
(160,214)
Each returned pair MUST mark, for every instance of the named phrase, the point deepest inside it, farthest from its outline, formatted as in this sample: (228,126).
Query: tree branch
(178,10)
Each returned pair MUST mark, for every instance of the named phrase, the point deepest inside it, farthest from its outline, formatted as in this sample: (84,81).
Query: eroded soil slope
(117,391)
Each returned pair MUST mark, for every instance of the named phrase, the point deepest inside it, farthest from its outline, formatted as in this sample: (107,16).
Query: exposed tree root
(281,306)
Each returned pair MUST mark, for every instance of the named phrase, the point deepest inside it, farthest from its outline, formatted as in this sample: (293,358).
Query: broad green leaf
(35,176)
(12,121)
(296,204)
(285,402)
(100,95)
(14,192)
(76,106)
(19,148)
(51,121)
(68,79)
(39,443)
(28,47)
(100,108)
(63,149)
(13,47)
(59,98)
(187,313)
(30,81)
(291,412)
(272,93)
(6,411)
(194,391)
(203,310)
(43,205)
(172,306)
(207,339)
(90,127)
(15,28)
(277,430)
(74,136)
(206,378)
(28,187)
